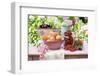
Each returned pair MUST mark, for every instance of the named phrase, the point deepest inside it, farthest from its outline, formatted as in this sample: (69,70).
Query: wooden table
(67,55)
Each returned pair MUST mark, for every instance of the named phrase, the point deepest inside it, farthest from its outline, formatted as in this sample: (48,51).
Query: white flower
(84,28)
(69,22)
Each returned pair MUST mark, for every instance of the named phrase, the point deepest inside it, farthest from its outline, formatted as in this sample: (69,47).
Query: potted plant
(80,34)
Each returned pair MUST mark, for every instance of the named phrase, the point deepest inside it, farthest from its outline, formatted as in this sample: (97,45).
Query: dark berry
(45,26)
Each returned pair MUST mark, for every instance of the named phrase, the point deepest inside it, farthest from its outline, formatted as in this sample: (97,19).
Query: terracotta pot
(54,45)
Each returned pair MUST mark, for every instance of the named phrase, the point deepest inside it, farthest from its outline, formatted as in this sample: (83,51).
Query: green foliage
(55,21)
(71,17)
(78,31)
(33,37)
(33,24)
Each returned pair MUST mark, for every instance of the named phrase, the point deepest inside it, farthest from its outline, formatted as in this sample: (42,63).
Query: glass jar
(66,25)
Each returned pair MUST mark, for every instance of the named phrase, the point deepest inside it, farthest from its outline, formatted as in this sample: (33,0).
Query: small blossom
(69,22)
